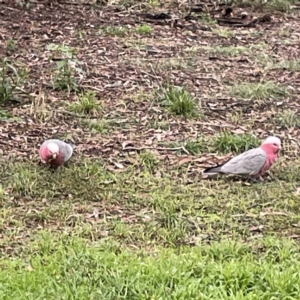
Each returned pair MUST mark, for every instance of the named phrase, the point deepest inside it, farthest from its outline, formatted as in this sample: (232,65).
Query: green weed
(113,30)
(178,101)
(144,29)
(86,104)
(288,119)
(227,142)
(11,80)
(259,91)
(66,68)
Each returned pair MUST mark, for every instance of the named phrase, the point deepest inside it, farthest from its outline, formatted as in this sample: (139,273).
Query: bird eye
(275,144)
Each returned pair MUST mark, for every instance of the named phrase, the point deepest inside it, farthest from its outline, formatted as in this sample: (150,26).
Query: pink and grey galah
(56,152)
(254,162)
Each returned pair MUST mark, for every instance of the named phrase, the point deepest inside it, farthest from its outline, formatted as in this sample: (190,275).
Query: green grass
(178,101)
(273,5)
(227,142)
(11,44)
(287,119)
(130,215)
(66,69)
(144,29)
(195,147)
(148,160)
(96,125)
(230,50)
(66,267)
(259,91)
(11,80)
(291,65)
(223,32)
(63,78)
(6,116)
(206,18)
(113,30)
(87,104)
(139,207)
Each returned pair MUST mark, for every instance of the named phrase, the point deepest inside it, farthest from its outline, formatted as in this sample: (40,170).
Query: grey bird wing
(247,163)
(64,147)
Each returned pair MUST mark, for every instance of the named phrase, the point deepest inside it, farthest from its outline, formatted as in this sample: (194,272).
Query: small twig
(92,87)
(158,148)
(217,125)
(6,144)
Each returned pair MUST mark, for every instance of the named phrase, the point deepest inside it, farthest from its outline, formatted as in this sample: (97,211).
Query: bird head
(49,152)
(273,143)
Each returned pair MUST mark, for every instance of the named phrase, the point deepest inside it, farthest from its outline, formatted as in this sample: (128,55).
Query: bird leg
(256,179)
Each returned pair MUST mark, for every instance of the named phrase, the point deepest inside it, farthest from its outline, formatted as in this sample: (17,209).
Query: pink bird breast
(45,154)
(58,161)
(271,151)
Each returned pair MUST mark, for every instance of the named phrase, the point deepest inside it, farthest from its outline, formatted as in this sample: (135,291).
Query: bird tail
(213,170)
(216,169)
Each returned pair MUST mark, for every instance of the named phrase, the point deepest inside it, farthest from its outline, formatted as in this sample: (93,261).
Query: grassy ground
(149,106)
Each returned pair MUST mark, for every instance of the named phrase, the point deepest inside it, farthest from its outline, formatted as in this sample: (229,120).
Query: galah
(254,162)
(55,152)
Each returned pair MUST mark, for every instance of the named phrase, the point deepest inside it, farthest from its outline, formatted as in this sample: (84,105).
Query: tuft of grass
(291,65)
(154,3)
(148,160)
(11,44)
(223,32)
(113,30)
(158,124)
(5,116)
(230,50)
(178,100)
(99,126)
(144,29)
(11,80)
(24,180)
(236,117)
(271,5)
(64,79)
(195,147)
(174,63)
(228,142)
(279,5)
(207,19)
(287,119)
(66,68)
(259,91)
(86,104)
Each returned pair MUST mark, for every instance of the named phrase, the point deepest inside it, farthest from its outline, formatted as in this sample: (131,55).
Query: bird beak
(54,155)
(43,161)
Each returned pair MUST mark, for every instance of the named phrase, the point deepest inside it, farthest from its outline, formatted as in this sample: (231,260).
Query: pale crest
(53,148)
(272,140)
